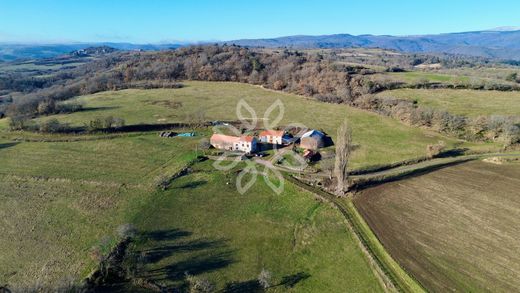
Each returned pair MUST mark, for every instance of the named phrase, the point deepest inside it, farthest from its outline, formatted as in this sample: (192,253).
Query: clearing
(469,103)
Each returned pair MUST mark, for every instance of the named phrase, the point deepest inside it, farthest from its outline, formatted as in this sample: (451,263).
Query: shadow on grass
(169,255)
(246,286)
(95,109)
(193,184)
(291,280)
(7,145)
(254,286)
(452,153)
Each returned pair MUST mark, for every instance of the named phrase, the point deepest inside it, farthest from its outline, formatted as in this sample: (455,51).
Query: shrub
(433,150)
(21,122)
(126,231)
(53,126)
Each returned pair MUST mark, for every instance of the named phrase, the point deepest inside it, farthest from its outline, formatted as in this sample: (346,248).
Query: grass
(49,226)
(229,238)
(470,103)
(125,160)
(380,139)
(454,229)
(420,76)
(59,199)
(391,273)
(70,192)
(62,195)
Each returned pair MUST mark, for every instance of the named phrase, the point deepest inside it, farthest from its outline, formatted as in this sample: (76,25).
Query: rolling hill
(497,43)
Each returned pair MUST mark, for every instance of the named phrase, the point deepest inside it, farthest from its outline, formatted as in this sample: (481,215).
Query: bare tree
(264,278)
(343,151)
(327,165)
(199,285)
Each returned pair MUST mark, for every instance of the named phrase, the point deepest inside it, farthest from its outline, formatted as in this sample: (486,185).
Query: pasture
(454,229)
(469,103)
(203,226)
(380,140)
(60,199)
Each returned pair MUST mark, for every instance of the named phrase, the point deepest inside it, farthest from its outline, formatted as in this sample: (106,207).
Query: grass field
(380,139)
(421,76)
(60,195)
(126,160)
(202,225)
(49,227)
(464,102)
(58,200)
(454,229)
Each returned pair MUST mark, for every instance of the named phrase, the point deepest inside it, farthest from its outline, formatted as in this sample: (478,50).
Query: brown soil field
(454,229)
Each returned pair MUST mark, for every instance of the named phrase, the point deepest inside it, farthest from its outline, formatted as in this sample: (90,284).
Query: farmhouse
(312,140)
(271,136)
(243,143)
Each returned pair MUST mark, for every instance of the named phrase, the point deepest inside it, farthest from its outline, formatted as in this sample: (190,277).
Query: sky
(163,21)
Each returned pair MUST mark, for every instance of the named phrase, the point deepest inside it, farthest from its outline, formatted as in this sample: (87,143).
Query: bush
(105,123)
(21,122)
(126,231)
(433,150)
(53,126)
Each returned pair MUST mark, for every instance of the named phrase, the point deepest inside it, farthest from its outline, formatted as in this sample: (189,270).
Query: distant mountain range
(499,43)
(9,52)
(502,43)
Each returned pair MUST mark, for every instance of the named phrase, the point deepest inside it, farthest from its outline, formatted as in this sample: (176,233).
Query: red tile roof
(272,133)
(247,138)
(230,139)
(224,138)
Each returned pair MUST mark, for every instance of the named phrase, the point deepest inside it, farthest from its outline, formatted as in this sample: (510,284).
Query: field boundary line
(392,276)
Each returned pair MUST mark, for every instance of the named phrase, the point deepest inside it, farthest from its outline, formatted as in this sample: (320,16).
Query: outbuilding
(313,140)
(271,136)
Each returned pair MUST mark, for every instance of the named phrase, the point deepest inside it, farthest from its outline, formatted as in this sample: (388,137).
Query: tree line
(310,74)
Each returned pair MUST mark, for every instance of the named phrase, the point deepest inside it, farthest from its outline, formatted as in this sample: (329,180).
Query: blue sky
(156,21)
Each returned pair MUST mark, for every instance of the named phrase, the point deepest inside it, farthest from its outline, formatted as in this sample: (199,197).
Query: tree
(343,151)
(264,278)
(126,231)
(327,166)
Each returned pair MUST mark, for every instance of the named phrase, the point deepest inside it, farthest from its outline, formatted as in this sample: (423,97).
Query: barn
(313,140)
(243,143)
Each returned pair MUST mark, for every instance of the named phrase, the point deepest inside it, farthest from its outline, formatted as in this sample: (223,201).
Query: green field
(380,139)
(454,229)
(463,102)
(64,198)
(64,195)
(202,225)
(421,76)
(49,227)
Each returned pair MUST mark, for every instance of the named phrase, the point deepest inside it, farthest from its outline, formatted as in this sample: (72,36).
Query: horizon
(182,22)
(173,42)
